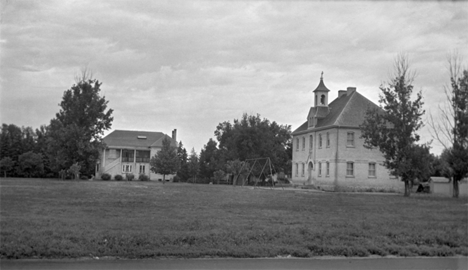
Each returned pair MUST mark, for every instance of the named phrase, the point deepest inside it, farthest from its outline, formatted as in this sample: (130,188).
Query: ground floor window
(303,169)
(127,168)
(297,169)
(142,169)
(328,168)
(371,169)
(320,169)
(349,169)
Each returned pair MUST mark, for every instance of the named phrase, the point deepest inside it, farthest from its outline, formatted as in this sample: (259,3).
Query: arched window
(322,99)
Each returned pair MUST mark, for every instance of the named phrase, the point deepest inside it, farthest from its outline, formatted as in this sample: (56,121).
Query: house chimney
(341,93)
(174,134)
(351,90)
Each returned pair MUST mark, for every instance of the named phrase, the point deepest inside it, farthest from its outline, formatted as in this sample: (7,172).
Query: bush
(130,176)
(105,176)
(143,177)
(176,179)
(84,177)
(118,177)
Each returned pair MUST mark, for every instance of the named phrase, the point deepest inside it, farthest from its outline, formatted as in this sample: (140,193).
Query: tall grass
(57,219)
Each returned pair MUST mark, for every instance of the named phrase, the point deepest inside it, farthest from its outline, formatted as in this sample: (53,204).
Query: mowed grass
(73,219)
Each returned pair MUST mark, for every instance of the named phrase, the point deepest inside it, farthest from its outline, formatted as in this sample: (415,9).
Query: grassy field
(73,219)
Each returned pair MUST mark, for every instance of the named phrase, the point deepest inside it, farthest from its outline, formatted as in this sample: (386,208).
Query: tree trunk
(407,188)
(456,190)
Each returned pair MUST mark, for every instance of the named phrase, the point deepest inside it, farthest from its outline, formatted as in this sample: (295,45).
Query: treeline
(70,143)
(249,137)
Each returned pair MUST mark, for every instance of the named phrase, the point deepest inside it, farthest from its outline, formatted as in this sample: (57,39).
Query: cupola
(321,94)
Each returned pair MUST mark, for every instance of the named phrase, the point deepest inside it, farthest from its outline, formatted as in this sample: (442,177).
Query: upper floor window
(303,143)
(349,169)
(371,169)
(320,140)
(311,142)
(328,139)
(297,144)
(350,139)
(127,155)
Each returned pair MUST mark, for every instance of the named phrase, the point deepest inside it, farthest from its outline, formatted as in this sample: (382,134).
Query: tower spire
(321,76)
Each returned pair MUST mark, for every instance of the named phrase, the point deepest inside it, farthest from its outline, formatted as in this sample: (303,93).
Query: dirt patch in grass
(74,219)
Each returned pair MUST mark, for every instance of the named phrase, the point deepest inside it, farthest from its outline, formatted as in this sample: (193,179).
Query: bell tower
(321,94)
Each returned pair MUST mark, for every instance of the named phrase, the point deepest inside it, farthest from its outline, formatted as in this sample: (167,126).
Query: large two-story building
(129,151)
(328,151)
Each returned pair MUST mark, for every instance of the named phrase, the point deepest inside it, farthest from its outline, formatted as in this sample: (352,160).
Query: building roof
(136,139)
(348,110)
(321,86)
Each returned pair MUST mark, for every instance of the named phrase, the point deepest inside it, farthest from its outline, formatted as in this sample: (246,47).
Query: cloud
(191,65)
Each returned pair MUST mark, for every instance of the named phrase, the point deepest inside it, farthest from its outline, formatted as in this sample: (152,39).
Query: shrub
(118,177)
(143,177)
(105,176)
(84,177)
(176,179)
(129,176)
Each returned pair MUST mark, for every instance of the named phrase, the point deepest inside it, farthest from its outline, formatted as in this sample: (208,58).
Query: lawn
(43,218)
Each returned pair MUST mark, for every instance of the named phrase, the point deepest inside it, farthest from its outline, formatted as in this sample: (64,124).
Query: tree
(182,173)
(75,170)
(392,127)
(75,133)
(193,165)
(30,164)
(6,165)
(165,161)
(209,160)
(252,137)
(452,128)
(218,175)
(237,168)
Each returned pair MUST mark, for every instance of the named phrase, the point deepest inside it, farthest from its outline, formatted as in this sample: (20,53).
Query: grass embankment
(57,219)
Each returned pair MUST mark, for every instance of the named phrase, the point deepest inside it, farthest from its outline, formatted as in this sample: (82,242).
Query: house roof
(347,110)
(136,139)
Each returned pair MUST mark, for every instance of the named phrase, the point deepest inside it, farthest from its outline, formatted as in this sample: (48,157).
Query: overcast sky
(193,64)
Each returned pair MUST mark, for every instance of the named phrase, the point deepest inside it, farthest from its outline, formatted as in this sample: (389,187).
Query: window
(143,156)
(320,169)
(297,169)
(127,155)
(297,144)
(142,169)
(328,168)
(322,99)
(311,139)
(303,143)
(126,168)
(303,166)
(320,140)
(328,139)
(350,139)
(349,169)
(371,169)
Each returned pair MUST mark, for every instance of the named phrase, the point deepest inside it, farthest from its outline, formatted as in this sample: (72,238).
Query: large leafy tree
(392,127)
(166,160)
(75,134)
(6,165)
(252,137)
(30,164)
(210,160)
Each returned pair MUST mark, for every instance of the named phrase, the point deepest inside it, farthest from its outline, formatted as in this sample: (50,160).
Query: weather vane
(321,76)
